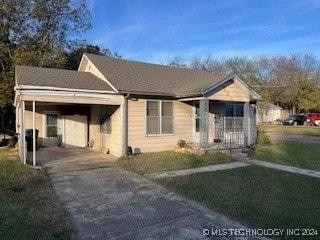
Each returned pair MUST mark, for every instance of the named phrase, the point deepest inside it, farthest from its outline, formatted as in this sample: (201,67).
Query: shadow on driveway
(106,202)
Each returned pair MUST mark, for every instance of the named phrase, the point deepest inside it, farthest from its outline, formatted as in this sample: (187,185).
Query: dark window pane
(105,124)
(152,108)
(52,119)
(197,125)
(52,125)
(229,110)
(167,125)
(167,109)
(153,125)
(52,131)
(238,110)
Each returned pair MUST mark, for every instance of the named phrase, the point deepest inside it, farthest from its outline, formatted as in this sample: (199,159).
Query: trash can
(29,139)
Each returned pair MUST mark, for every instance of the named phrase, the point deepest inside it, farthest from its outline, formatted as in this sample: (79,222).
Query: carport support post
(125,125)
(23,133)
(33,133)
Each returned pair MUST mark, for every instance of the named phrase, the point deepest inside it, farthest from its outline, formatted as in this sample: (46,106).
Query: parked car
(313,119)
(294,120)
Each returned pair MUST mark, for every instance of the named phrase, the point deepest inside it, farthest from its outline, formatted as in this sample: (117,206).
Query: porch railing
(235,139)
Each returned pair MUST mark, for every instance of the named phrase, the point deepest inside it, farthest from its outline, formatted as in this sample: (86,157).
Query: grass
(289,153)
(168,161)
(255,196)
(29,209)
(291,130)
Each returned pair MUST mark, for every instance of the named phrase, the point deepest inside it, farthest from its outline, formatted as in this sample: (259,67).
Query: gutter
(27,87)
(146,93)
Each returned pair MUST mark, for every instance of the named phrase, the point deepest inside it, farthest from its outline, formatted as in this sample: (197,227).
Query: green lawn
(28,209)
(168,161)
(291,130)
(289,153)
(255,196)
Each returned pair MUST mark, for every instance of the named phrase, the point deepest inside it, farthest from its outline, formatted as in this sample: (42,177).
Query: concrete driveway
(106,202)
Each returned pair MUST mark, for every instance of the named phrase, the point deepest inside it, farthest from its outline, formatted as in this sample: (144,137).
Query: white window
(159,117)
(52,125)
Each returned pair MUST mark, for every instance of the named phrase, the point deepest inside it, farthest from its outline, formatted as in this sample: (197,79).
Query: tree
(177,61)
(210,64)
(74,57)
(292,81)
(245,68)
(37,32)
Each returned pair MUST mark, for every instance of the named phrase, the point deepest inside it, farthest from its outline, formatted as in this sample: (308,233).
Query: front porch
(221,124)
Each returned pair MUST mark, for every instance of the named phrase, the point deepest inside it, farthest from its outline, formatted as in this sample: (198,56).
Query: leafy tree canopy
(38,33)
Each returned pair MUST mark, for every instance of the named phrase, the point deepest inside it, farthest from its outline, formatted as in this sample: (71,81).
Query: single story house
(270,113)
(112,104)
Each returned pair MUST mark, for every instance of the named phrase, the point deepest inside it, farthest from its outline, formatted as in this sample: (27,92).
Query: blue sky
(157,30)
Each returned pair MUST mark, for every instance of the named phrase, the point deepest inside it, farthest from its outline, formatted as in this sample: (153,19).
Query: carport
(76,115)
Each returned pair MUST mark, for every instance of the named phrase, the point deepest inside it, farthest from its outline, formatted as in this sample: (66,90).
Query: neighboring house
(270,113)
(110,104)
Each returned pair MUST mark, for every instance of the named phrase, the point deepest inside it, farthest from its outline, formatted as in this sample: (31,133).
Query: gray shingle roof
(131,76)
(59,78)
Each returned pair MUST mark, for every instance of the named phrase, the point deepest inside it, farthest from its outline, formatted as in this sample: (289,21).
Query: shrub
(263,138)
(182,143)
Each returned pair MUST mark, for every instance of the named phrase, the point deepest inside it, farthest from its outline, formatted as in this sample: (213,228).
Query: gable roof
(59,78)
(112,75)
(138,77)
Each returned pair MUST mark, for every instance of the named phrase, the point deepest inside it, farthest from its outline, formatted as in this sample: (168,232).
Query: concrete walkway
(106,202)
(243,162)
(210,168)
(302,171)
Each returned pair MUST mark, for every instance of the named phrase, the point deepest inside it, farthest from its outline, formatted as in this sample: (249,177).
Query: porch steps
(240,155)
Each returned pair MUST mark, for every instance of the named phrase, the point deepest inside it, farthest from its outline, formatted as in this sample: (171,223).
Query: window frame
(105,118)
(160,116)
(235,118)
(44,124)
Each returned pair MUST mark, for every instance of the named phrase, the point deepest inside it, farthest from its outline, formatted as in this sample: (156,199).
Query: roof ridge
(144,63)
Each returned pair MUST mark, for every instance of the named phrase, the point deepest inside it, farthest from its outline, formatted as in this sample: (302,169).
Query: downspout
(125,124)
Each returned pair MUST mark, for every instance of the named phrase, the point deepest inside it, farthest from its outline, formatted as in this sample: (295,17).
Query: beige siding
(233,92)
(106,142)
(140,142)
(87,66)
(101,142)
(39,119)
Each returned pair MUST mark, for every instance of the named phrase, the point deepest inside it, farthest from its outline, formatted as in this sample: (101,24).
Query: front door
(51,129)
(196,123)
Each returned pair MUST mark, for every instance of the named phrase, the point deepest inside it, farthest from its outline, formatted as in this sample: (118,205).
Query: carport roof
(59,78)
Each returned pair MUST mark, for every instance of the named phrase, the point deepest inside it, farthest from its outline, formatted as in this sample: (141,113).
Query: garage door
(75,131)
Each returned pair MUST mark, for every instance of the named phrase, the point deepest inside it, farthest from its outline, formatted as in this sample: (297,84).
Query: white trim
(34,143)
(81,62)
(23,133)
(233,77)
(30,87)
(191,99)
(104,77)
(160,118)
(204,92)
(44,125)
